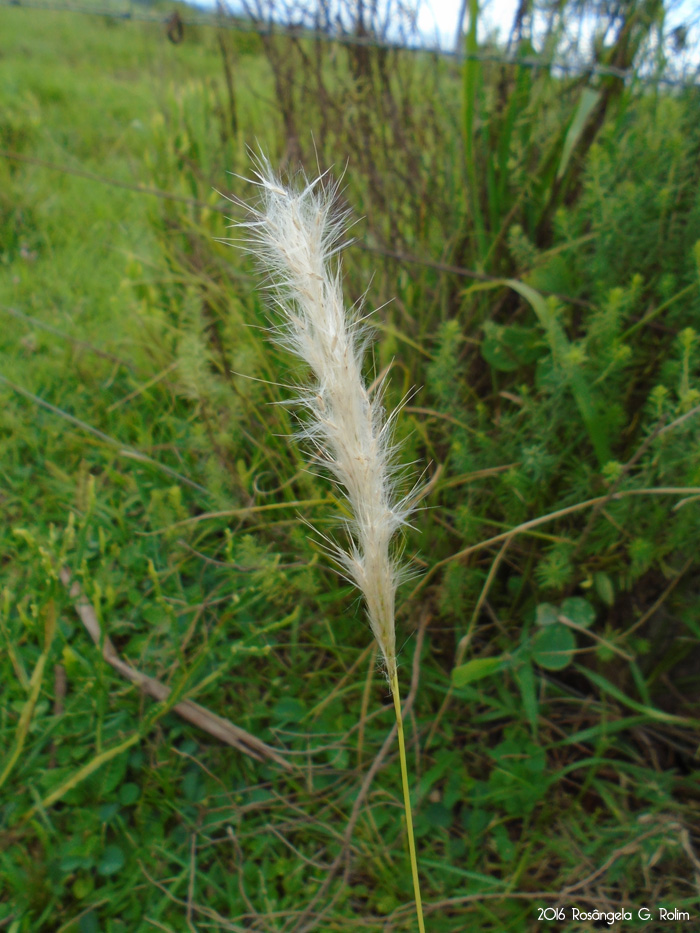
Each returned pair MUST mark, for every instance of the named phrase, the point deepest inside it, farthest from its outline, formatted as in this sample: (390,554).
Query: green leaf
(604,587)
(463,873)
(89,923)
(81,887)
(71,863)
(497,354)
(579,611)
(476,669)
(559,346)
(602,730)
(553,647)
(502,841)
(108,777)
(446,760)
(111,862)
(589,98)
(546,614)
(438,816)
(129,793)
(649,711)
(107,812)
(641,683)
(517,780)
(525,677)
(289,709)
(507,348)
(192,786)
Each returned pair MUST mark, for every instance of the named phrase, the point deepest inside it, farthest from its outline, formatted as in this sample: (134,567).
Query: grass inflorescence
(295,234)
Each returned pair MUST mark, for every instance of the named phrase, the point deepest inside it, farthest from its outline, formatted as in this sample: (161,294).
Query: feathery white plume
(296,233)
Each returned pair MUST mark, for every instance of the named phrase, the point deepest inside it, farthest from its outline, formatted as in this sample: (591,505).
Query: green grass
(552,634)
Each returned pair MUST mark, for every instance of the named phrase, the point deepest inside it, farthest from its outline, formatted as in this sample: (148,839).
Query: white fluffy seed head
(296,234)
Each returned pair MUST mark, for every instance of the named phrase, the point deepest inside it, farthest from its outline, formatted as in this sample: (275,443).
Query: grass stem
(407,800)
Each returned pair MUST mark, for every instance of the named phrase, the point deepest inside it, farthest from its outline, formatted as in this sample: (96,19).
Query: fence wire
(226,20)
(226,210)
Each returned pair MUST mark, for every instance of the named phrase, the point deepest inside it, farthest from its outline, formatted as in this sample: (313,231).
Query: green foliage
(553,647)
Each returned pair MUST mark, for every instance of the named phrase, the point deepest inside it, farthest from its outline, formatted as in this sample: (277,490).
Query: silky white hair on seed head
(296,234)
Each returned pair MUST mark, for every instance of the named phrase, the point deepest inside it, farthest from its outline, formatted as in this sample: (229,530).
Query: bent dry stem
(296,235)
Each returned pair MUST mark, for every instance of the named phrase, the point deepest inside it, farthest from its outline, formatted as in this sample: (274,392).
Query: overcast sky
(437,23)
(441,16)
(438,18)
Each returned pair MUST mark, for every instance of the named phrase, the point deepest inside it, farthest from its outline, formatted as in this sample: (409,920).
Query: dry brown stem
(198,715)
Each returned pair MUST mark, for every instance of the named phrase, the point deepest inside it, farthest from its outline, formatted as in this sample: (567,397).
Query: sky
(439,18)
(437,22)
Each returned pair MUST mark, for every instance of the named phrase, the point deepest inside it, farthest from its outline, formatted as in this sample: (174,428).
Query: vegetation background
(531,238)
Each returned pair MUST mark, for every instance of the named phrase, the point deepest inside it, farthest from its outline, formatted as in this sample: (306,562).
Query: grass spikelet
(296,233)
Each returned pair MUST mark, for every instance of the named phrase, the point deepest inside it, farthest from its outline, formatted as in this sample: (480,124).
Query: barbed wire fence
(226,210)
(141,11)
(222,18)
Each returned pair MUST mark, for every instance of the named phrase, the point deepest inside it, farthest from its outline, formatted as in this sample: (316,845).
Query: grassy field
(533,246)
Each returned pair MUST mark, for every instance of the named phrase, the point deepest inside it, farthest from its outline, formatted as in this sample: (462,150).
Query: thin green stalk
(35,683)
(472,77)
(407,800)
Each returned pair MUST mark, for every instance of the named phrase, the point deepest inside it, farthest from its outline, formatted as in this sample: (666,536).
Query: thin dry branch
(198,715)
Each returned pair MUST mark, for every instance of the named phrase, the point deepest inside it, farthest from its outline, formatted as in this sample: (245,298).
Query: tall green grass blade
(517,104)
(35,683)
(559,347)
(525,677)
(83,773)
(471,82)
(477,669)
(589,98)
(656,714)
(471,74)
(603,729)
